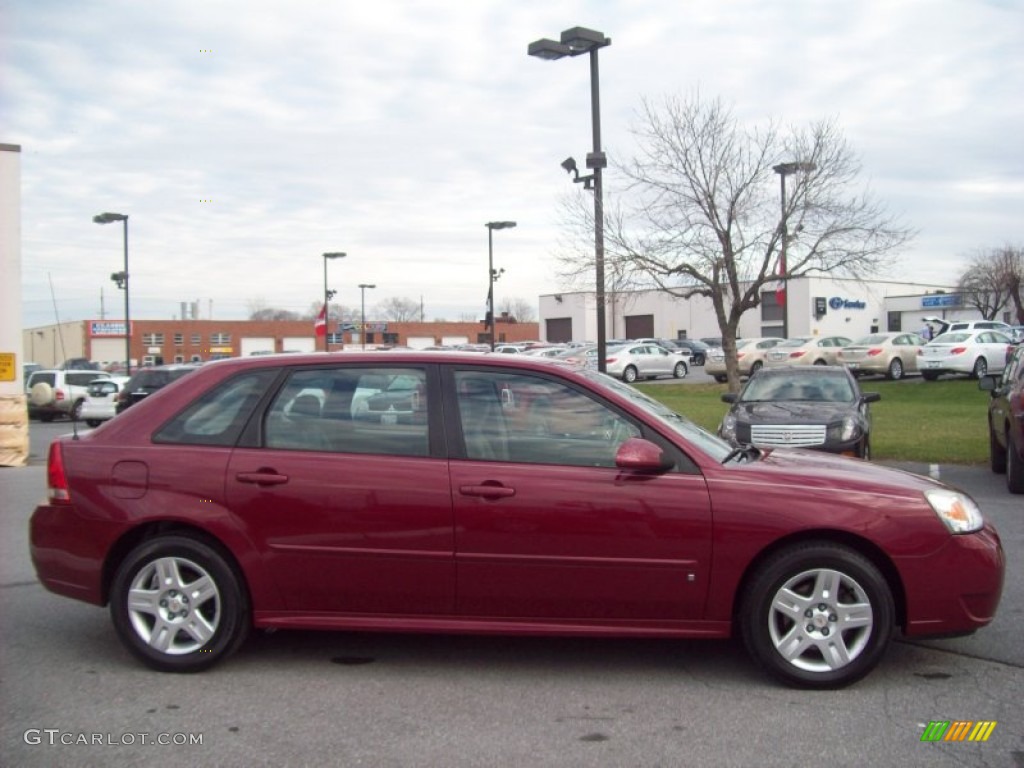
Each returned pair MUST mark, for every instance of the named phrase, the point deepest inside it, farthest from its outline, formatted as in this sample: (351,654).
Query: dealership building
(817,306)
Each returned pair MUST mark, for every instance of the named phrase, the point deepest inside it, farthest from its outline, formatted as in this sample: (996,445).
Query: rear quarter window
(218,416)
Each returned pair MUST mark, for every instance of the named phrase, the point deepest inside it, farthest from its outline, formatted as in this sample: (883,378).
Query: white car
(750,355)
(100,401)
(806,350)
(644,361)
(973,353)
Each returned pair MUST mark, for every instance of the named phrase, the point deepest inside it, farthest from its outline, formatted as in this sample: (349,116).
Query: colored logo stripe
(958,730)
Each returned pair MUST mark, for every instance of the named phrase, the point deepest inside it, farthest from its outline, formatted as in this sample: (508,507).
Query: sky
(246,139)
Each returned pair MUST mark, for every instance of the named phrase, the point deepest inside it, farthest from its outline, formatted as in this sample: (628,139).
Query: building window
(179,339)
(390,338)
(335,338)
(220,338)
(179,358)
(153,339)
(197,339)
(196,359)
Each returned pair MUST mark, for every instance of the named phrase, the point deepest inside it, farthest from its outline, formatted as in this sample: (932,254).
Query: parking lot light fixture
(328,295)
(491,274)
(121,279)
(362,311)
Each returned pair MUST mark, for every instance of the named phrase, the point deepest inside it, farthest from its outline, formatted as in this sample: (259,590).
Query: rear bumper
(67,552)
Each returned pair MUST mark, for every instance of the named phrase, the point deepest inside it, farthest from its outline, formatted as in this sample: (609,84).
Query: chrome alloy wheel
(174,605)
(820,620)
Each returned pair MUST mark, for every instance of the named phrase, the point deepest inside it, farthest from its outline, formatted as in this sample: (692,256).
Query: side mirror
(641,455)
(729,397)
(988,383)
(870,397)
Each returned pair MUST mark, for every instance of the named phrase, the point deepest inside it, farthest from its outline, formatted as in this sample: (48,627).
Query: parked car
(971,353)
(644,361)
(698,349)
(1006,420)
(146,381)
(948,326)
(813,406)
(56,392)
(806,350)
(534,498)
(101,400)
(892,355)
(750,355)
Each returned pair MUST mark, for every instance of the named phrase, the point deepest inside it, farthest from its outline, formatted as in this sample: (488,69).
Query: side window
(534,420)
(350,410)
(218,416)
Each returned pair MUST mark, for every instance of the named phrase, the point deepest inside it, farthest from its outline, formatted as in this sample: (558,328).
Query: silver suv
(53,393)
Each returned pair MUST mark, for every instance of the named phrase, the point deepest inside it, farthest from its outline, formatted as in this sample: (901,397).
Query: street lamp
(784,170)
(493,275)
(574,42)
(121,278)
(362,311)
(328,295)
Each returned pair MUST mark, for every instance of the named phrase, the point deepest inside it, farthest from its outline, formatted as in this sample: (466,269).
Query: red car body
(669,541)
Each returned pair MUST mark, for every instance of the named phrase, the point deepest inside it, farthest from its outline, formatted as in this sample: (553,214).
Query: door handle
(262,477)
(487,491)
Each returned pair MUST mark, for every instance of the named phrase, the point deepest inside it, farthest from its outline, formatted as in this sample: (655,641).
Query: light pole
(328,295)
(362,311)
(574,42)
(493,275)
(784,170)
(121,278)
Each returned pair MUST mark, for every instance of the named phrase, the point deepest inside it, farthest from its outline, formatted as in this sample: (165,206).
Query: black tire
(680,370)
(821,362)
(629,374)
(996,452)
(76,410)
(929,375)
(721,379)
(895,371)
(205,631)
(698,360)
(980,368)
(756,366)
(93,422)
(1014,466)
(865,451)
(818,579)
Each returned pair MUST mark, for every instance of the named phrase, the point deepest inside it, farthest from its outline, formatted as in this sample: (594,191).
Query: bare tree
(703,217)
(400,310)
(520,309)
(993,280)
(259,310)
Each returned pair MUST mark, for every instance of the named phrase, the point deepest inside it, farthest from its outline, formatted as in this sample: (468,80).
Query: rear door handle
(262,477)
(487,491)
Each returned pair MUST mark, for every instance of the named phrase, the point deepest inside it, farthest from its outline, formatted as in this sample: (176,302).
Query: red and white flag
(320,326)
(780,287)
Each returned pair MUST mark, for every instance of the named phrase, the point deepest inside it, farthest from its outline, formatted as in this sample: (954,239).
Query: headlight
(727,430)
(851,429)
(957,510)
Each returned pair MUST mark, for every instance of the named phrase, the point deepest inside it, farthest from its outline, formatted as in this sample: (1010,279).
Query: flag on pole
(780,286)
(320,326)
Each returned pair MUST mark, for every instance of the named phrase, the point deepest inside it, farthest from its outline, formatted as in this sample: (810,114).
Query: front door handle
(487,491)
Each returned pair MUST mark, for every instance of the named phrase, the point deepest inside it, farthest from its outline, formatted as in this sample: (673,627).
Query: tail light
(56,478)
(58,395)
(957,350)
(798,354)
(873,352)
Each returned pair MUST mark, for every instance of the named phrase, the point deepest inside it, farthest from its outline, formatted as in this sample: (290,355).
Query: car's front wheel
(996,452)
(680,370)
(178,605)
(980,368)
(629,374)
(895,371)
(817,615)
(1014,466)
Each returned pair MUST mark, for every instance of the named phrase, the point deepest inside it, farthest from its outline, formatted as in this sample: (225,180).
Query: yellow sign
(8,361)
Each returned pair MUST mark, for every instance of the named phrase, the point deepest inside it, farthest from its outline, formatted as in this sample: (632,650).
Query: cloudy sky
(244,139)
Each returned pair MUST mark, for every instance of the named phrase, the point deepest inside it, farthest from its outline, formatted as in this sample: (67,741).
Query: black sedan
(812,406)
(698,349)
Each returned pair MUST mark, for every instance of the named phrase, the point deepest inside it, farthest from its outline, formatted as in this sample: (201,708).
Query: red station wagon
(499,494)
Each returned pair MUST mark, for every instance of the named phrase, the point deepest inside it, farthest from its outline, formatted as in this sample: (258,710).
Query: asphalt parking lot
(414,700)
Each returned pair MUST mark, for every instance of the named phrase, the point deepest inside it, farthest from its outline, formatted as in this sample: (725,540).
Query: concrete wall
(14,445)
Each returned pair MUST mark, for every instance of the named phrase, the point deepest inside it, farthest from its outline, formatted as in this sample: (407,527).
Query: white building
(817,306)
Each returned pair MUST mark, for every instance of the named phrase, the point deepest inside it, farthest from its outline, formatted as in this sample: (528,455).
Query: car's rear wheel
(76,410)
(178,605)
(93,422)
(996,452)
(895,371)
(980,368)
(817,615)
(629,374)
(680,370)
(1014,466)
(721,379)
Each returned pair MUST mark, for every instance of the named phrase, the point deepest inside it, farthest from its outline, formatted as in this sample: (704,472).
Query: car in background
(1006,420)
(1016,334)
(807,406)
(946,326)
(146,381)
(971,353)
(101,400)
(56,392)
(698,349)
(532,498)
(889,354)
(27,369)
(750,355)
(644,360)
(806,350)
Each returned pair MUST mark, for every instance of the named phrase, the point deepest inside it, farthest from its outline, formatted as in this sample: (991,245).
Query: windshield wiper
(747,452)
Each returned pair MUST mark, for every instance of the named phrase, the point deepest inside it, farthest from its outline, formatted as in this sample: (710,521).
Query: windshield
(812,386)
(711,444)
